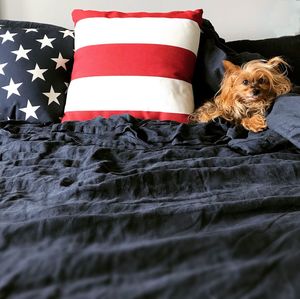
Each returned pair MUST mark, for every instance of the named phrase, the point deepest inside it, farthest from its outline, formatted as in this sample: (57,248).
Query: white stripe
(130,93)
(182,33)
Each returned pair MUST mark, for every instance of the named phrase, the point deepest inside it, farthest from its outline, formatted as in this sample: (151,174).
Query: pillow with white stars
(35,69)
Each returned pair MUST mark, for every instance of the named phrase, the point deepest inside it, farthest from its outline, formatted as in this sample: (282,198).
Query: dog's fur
(246,93)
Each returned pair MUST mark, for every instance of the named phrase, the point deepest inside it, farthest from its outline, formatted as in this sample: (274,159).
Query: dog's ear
(230,67)
(279,64)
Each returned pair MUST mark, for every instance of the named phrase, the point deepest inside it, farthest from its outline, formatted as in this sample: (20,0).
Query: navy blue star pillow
(35,68)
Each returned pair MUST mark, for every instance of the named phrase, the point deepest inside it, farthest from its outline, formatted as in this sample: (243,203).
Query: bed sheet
(128,208)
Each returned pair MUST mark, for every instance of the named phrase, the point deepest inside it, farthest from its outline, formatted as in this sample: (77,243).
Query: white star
(52,96)
(8,36)
(46,42)
(37,73)
(12,88)
(30,30)
(29,110)
(21,53)
(60,61)
(67,33)
(2,66)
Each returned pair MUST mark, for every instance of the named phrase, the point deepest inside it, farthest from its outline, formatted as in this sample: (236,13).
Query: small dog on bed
(246,93)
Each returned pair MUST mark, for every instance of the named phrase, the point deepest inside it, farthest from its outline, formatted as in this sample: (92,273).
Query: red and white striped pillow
(137,63)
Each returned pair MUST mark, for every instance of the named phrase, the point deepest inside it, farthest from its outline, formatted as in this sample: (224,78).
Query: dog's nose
(255,91)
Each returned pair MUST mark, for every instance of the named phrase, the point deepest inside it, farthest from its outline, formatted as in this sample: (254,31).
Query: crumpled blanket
(128,208)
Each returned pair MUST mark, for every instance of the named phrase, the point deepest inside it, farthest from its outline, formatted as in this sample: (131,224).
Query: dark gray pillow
(209,69)
(286,46)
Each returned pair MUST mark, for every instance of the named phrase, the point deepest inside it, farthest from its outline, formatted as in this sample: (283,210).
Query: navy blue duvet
(125,208)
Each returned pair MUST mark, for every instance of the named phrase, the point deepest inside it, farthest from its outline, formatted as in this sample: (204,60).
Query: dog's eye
(245,82)
(261,80)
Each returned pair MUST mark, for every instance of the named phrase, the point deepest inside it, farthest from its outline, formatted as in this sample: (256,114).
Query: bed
(123,207)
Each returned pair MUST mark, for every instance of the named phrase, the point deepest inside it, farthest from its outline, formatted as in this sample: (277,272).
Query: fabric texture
(128,208)
(141,63)
(35,68)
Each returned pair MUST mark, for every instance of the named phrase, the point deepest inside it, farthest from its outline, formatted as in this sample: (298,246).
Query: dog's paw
(256,123)
(203,116)
(206,113)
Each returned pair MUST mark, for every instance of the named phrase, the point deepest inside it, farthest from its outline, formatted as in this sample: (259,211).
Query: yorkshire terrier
(246,93)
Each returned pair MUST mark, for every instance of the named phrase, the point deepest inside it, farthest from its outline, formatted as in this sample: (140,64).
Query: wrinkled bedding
(128,208)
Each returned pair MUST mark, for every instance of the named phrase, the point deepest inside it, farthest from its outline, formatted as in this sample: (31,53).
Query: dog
(246,93)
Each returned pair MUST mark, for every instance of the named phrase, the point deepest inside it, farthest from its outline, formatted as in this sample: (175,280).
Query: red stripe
(86,115)
(195,15)
(134,60)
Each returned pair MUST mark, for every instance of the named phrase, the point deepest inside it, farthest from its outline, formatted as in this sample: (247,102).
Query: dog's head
(257,80)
